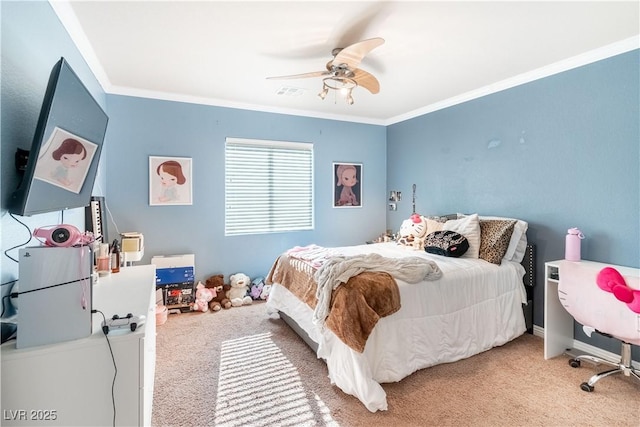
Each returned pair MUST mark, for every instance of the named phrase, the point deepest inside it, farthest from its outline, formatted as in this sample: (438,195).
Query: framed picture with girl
(64,160)
(347,185)
(170,181)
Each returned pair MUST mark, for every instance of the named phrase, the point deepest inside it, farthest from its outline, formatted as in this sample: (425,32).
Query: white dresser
(70,383)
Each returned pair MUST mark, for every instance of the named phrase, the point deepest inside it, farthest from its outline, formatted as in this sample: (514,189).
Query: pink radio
(63,235)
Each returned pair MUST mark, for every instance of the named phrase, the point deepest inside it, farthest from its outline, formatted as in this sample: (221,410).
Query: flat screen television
(64,155)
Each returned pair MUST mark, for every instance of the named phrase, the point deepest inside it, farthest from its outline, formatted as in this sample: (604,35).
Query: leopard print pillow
(495,235)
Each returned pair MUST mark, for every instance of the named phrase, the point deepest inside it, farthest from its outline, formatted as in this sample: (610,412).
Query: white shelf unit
(72,381)
(558,323)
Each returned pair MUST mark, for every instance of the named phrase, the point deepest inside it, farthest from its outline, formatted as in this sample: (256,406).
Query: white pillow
(433,225)
(469,227)
(518,243)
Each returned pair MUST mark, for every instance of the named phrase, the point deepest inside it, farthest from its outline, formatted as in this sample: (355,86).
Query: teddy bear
(413,232)
(203,296)
(220,300)
(238,294)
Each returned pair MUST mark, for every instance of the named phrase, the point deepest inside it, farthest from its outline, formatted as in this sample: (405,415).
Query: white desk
(70,382)
(558,323)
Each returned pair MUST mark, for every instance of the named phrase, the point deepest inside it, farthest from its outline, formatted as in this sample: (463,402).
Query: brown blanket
(356,305)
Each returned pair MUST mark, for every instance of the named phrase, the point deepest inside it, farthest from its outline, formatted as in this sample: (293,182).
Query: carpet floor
(242,367)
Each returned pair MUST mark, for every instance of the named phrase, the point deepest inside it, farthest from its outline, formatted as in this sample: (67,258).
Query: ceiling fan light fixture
(342,72)
(344,85)
(339,83)
(324,92)
(349,98)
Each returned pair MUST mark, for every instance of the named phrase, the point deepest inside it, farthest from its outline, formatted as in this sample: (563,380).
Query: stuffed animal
(238,294)
(413,232)
(220,300)
(203,296)
(266,290)
(255,290)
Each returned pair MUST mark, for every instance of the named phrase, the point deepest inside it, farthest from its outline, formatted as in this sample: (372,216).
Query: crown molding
(586,58)
(69,20)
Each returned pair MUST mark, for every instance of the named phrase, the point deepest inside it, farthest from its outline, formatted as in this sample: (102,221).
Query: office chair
(604,301)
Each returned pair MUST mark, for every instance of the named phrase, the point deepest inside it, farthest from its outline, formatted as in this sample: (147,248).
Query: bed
(472,306)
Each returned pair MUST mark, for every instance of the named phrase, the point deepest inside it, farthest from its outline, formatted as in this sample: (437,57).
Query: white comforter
(475,306)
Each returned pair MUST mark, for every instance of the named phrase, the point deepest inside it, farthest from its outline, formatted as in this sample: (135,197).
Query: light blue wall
(32,41)
(559,152)
(140,128)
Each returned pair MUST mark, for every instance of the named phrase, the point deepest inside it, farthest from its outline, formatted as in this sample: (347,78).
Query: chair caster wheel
(586,387)
(574,363)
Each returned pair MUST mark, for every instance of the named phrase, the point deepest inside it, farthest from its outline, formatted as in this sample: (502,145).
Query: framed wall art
(347,185)
(170,181)
(64,160)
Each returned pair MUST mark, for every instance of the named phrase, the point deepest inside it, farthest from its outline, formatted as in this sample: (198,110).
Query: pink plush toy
(610,280)
(203,296)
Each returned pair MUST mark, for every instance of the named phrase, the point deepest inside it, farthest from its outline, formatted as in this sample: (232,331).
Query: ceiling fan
(342,72)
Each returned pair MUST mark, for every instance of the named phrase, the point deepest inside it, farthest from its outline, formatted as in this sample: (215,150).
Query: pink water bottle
(572,244)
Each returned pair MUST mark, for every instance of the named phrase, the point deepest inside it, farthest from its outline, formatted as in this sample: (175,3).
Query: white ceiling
(435,53)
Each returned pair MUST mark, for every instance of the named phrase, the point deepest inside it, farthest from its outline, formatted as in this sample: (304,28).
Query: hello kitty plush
(413,232)
(203,296)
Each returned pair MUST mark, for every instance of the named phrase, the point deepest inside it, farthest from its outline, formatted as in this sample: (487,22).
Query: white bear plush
(239,292)
(413,232)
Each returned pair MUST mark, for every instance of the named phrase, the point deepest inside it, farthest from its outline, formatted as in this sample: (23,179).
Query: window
(268,186)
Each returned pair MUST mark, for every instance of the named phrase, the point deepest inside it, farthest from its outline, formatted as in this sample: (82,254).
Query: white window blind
(268,186)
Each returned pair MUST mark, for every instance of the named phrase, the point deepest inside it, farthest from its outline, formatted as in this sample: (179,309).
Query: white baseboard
(538,331)
(588,348)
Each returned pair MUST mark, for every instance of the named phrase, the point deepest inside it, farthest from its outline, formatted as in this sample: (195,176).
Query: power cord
(7,296)
(4,298)
(115,367)
(6,252)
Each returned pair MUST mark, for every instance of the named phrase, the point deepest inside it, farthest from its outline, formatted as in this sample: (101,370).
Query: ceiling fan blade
(352,55)
(367,21)
(301,76)
(367,81)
